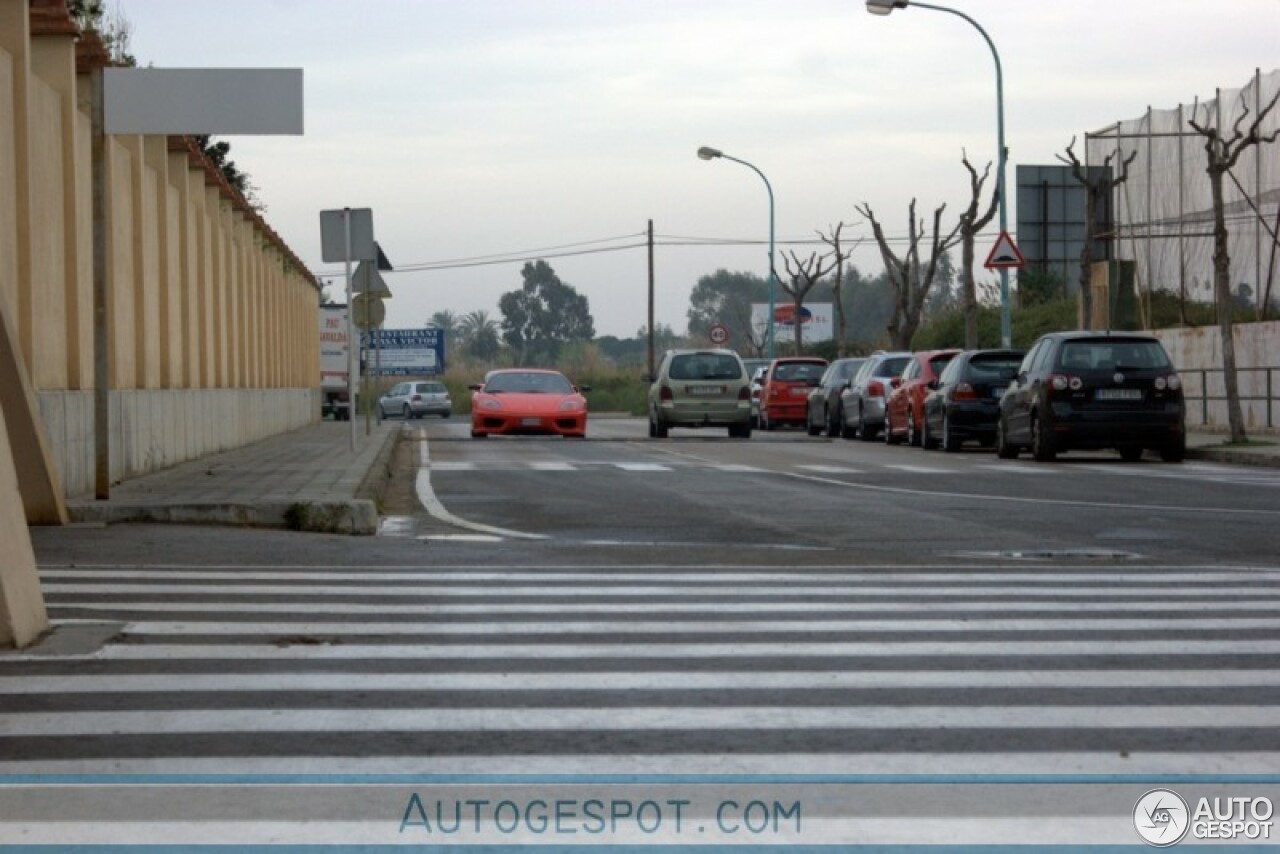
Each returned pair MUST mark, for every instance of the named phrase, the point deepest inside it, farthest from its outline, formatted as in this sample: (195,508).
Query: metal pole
(351,331)
(651,340)
(773,279)
(101,343)
(1006,334)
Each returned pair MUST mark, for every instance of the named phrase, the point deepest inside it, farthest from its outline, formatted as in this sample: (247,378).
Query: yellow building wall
(211,318)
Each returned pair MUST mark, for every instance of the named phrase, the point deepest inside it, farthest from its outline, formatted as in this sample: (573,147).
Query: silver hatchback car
(416,399)
(700,388)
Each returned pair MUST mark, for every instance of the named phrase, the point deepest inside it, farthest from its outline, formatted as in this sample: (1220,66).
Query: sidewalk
(308,479)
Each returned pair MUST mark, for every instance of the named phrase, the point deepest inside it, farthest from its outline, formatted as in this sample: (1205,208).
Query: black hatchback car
(1091,390)
(963,403)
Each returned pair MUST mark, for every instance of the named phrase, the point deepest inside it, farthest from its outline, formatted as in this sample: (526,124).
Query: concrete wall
(211,318)
(1197,354)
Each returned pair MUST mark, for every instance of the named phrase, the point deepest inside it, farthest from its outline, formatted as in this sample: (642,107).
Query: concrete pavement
(309,479)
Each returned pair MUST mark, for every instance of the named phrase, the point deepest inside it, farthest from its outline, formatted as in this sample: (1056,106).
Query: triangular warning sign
(1004,254)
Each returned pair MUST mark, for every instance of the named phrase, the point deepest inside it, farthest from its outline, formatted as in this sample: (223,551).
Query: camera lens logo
(1161,818)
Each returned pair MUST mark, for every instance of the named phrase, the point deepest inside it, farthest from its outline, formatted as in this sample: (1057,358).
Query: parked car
(963,404)
(700,388)
(1091,390)
(416,399)
(904,408)
(528,401)
(824,401)
(862,404)
(784,396)
(757,383)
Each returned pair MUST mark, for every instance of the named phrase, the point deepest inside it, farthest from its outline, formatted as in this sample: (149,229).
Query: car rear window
(798,371)
(937,363)
(705,366)
(1111,355)
(430,388)
(994,368)
(891,367)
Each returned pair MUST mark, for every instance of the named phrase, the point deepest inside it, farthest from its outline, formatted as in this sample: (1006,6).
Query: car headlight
(490,403)
(569,404)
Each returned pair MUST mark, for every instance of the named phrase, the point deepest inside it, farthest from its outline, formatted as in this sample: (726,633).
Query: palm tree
(446,321)
(479,331)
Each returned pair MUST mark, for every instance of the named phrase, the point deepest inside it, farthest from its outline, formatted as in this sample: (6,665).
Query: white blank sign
(155,101)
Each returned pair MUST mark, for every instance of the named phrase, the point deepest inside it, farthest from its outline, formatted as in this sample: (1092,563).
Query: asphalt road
(623,605)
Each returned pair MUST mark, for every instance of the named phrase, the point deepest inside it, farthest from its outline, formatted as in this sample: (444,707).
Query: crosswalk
(651,669)
(954,466)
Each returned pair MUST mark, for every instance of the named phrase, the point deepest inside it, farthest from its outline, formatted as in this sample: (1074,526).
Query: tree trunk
(1222,296)
(970,292)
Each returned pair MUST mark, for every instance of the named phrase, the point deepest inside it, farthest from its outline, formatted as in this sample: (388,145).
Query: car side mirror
(583,389)
(932,385)
(475,387)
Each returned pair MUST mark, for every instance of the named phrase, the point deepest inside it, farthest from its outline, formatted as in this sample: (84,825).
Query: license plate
(800,392)
(1118,394)
(706,390)
(530,422)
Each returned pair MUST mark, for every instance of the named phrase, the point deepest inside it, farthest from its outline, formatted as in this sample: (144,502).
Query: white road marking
(920,469)
(321,720)
(433,505)
(453,466)
(830,469)
(624,681)
(642,467)
(553,466)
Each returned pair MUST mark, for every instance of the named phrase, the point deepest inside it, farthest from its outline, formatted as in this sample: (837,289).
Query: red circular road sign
(719,334)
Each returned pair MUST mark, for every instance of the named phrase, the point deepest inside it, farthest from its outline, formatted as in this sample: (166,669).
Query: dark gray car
(824,401)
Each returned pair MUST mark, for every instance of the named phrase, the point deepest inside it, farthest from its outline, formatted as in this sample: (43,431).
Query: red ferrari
(528,401)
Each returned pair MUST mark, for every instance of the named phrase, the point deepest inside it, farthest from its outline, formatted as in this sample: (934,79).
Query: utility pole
(652,367)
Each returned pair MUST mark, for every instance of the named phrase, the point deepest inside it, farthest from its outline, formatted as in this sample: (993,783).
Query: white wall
(1197,354)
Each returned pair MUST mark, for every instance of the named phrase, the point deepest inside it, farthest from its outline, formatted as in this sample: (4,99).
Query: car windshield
(1112,355)
(528,383)
(798,371)
(705,366)
(993,368)
(892,367)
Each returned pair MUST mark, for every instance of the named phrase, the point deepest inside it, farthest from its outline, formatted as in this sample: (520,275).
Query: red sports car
(528,401)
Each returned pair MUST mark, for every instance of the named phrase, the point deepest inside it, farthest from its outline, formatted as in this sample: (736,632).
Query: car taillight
(1061,382)
(963,391)
(417,398)
(1172,382)
(744,393)
(664,393)
(875,389)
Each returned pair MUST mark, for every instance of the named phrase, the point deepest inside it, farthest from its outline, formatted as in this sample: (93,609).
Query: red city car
(528,401)
(904,410)
(784,393)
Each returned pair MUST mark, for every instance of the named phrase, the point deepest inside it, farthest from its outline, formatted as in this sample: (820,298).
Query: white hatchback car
(416,399)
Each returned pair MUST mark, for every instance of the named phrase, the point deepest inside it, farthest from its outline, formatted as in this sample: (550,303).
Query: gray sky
(477,128)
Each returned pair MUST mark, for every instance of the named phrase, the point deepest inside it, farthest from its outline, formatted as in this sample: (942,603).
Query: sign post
(1005,254)
(346,235)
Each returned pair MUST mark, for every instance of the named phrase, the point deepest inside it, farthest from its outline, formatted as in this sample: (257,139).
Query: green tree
(726,298)
(219,153)
(543,315)
(478,334)
(446,321)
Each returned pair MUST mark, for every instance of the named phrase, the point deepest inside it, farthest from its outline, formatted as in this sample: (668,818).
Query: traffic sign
(719,334)
(368,311)
(1005,254)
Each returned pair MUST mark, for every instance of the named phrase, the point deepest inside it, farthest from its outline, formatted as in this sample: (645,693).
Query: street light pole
(707,153)
(884,7)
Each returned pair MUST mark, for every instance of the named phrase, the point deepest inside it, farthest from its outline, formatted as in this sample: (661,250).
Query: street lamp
(708,153)
(884,7)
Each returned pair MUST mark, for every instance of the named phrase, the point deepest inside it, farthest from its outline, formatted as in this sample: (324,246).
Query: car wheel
(950,441)
(382,413)
(1174,451)
(865,433)
(846,432)
(445,414)
(926,438)
(477,434)
(406,413)
(1130,453)
(1042,441)
(833,423)
(814,429)
(889,437)
(659,429)
(1004,450)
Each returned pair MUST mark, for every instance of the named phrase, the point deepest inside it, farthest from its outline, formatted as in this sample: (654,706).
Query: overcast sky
(477,128)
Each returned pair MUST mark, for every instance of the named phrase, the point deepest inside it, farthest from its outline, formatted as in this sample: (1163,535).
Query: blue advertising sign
(405,352)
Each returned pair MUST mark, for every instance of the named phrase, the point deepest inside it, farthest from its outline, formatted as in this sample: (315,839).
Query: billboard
(815,319)
(405,352)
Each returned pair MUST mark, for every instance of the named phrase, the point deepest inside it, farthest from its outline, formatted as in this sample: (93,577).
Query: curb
(1236,456)
(355,516)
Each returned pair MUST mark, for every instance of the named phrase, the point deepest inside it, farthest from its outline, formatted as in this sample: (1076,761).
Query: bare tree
(1222,154)
(840,255)
(802,276)
(1097,186)
(970,224)
(909,277)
